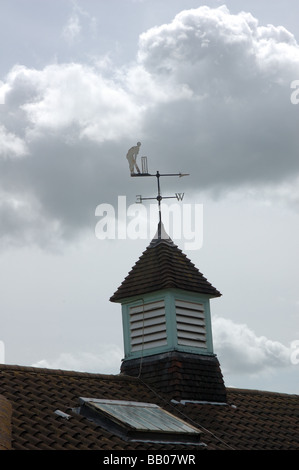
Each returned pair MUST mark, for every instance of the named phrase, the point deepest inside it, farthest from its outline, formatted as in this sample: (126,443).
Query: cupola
(167,329)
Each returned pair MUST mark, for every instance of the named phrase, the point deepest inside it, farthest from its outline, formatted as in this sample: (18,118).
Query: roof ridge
(124,377)
(254,391)
(49,371)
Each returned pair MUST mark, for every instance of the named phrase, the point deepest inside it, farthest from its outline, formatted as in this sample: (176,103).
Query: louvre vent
(191,328)
(148,326)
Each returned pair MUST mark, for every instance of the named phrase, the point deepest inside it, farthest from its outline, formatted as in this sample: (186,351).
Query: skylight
(138,421)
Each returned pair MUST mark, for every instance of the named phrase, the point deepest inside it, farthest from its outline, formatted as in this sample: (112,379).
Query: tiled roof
(163,266)
(250,420)
(5,423)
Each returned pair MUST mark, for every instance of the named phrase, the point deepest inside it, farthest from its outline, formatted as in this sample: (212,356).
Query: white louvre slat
(148,338)
(145,307)
(148,330)
(190,320)
(192,336)
(147,323)
(154,344)
(148,326)
(144,315)
(190,313)
(188,342)
(191,328)
(186,304)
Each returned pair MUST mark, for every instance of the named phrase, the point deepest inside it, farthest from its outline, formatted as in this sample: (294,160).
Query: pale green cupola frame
(167,320)
(165,303)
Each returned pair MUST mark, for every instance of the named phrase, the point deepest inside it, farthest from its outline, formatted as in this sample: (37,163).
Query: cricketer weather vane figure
(132,157)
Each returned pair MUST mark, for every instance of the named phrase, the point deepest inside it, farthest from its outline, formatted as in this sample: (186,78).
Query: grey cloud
(53,194)
(239,126)
(209,94)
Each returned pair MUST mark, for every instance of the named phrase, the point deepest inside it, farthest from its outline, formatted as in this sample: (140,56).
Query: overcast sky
(206,88)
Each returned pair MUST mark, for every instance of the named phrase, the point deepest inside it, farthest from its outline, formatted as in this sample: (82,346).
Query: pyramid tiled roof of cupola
(163,266)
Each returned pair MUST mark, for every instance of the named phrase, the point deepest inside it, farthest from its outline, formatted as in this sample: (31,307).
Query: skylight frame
(139,421)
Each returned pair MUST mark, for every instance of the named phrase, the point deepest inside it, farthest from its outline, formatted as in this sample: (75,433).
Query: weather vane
(132,159)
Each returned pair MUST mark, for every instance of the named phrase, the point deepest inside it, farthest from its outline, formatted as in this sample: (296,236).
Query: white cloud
(75,95)
(240,350)
(149,90)
(201,45)
(3,90)
(72,29)
(80,20)
(107,361)
(11,145)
